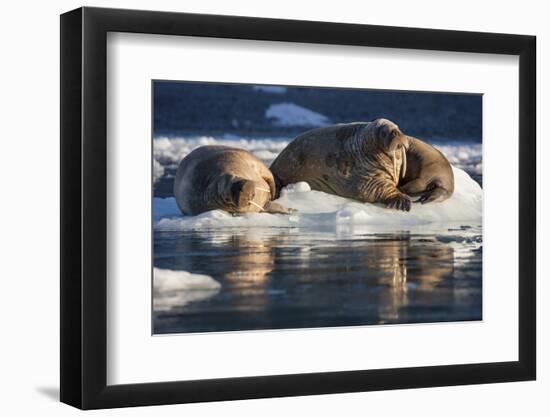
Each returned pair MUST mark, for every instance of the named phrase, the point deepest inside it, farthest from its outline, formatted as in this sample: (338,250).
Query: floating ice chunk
(290,114)
(177,288)
(318,209)
(170,280)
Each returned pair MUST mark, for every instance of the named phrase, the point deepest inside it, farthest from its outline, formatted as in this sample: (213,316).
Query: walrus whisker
(257,205)
(263,189)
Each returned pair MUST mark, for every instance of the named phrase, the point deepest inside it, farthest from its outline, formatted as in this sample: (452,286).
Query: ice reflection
(295,278)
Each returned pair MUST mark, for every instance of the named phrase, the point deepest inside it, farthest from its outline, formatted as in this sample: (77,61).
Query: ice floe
(316,209)
(290,114)
(174,289)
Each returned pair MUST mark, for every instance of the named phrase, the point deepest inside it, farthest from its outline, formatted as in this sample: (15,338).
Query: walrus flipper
(383,191)
(414,188)
(399,202)
(436,193)
(427,193)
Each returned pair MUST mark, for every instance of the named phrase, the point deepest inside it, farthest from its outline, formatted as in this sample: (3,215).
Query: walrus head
(390,135)
(394,142)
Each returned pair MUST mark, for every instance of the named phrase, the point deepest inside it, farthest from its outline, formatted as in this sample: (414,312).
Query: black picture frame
(84,207)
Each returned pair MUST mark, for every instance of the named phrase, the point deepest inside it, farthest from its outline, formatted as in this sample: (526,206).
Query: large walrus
(368,162)
(225,178)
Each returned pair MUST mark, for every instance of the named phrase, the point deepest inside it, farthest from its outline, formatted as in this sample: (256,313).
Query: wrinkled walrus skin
(224,178)
(361,161)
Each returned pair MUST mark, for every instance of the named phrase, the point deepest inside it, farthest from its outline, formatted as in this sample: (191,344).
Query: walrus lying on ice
(371,162)
(220,177)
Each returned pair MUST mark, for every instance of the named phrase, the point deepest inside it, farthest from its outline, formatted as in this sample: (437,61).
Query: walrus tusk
(263,189)
(257,205)
(394,165)
(403,162)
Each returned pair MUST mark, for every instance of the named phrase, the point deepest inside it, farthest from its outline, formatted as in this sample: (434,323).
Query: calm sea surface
(297,278)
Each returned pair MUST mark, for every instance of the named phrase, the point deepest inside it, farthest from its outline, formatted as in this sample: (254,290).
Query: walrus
(225,178)
(362,161)
(371,162)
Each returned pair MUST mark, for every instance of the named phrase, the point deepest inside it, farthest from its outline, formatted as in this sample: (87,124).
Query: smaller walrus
(225,178)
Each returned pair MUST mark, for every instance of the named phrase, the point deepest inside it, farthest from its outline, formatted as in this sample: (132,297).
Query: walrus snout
(395,139)
(243,192)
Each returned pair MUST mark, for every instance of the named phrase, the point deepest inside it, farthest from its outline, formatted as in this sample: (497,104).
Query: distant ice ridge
(158,170)
(318,209)
(270,89)
(463,155)
(177,288)
(169,152)
(290,114)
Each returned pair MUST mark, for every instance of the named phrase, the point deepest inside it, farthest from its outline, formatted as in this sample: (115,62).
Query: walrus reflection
(411,271)
(245,262)
(250,268)
(242,264)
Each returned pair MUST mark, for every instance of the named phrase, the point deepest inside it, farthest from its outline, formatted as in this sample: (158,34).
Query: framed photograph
(258,208)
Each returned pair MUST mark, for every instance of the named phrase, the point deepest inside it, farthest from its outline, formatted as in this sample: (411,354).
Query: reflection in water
(428,265)
(296,278)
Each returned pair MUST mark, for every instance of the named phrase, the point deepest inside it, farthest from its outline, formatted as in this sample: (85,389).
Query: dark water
(296,278)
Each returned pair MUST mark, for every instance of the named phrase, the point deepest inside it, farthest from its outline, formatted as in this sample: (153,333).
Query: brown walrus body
(362,161)
(225,178)
(428,174)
